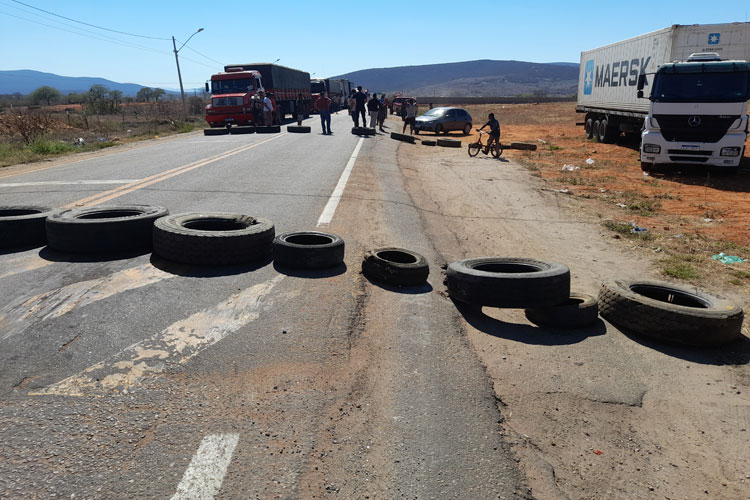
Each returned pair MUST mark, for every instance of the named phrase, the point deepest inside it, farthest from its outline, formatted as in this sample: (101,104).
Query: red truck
(232,90)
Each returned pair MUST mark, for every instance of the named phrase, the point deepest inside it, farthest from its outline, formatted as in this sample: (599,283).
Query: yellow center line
(142,183)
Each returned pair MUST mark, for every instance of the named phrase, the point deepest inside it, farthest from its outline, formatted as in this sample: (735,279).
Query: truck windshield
(701,87)
(234,86)
(317,87)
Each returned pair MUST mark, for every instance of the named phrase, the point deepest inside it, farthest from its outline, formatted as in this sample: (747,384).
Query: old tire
(268,129)
(449,143)
(363,131)
(579,311)
(669,312)
(298,129)
(429,142)
(308,250)
(241,130)
(403,137)
(213,238)
(522,146)
(589,128)
(23,226)
(120,228)
(596,128)
(215,131)
(508,282)
(395,266)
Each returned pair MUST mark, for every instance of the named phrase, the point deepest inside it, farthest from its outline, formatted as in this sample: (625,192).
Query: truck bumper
(691,153)
(222,120)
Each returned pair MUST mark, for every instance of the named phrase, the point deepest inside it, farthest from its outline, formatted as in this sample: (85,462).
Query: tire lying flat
(298,129)
(403,137)
(579,311)
(395,266)
(121,228)
(429,142)
(449,143)
(268,129)
(508,282)
(308,250)
(670,312)
(363,131)
(522,146)
(23,225)
(213,238)
(215,131)
(242,130)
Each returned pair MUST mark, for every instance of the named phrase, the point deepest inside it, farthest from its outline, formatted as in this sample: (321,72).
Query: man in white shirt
(267,109)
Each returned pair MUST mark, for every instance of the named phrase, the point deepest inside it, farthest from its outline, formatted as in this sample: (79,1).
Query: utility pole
(179,75)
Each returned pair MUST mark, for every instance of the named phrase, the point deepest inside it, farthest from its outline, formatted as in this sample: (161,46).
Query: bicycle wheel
(497,150)
(474,148)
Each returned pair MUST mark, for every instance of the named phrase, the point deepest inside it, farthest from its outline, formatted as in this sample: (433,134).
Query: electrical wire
(88,24)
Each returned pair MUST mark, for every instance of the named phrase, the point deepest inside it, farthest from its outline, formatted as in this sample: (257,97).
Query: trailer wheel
(589,127)
(595,131)
(607,133)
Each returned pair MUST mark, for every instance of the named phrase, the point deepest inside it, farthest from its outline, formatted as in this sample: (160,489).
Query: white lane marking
(16,316)
(174,345)
(333,201)
(203,477)
(67,183)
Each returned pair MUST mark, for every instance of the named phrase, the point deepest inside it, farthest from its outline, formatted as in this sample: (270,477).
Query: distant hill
(26,81)
(472,78)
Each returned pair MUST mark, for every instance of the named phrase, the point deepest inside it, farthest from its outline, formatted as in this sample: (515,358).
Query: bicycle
(496,149)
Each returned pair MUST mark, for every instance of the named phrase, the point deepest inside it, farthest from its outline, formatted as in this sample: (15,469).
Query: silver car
(442,120)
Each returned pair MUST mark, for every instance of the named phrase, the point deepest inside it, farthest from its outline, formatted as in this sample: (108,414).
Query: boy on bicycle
(494,132)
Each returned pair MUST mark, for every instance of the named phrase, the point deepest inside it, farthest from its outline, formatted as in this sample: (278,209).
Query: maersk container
(609,75)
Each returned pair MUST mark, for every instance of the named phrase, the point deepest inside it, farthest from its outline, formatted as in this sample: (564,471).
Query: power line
(203,55)
(88,24)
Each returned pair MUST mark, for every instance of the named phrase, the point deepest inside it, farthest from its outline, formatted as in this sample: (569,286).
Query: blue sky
(324,38)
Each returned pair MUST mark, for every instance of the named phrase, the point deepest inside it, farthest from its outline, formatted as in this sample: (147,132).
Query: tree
(144,94)
(45,94)
(158,94)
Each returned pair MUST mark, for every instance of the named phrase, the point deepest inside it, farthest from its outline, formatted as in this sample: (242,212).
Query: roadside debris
(542,141)
(590,161)
(727,259)
(622,205)
(637,229)
(570,168)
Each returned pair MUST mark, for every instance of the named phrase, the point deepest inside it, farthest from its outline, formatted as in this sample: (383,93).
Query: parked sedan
(442,120)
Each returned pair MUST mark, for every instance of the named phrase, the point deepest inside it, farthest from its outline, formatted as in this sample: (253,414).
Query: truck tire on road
(670,312)
(215,131)
(579,311)
(213,238)
(449,143)
(298,129)
(23,226)
(395,266)
(121,228)
(403,137)
(242,130)
(268,129)
(508,282)
(308,250)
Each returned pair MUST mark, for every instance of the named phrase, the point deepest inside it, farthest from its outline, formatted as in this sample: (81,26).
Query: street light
(277,60)
(179,75)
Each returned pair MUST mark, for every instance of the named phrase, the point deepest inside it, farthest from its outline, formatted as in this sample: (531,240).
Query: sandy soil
(593,413)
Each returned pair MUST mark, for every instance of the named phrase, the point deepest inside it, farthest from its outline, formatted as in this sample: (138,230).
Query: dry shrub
(29,125)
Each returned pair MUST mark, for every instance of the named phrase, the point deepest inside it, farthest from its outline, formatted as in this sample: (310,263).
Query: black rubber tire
(508,282)
(467,129)
(298,129)
(580,310)
(589,128)
(120,228)
(308,250)
(363,131)
(213,238)
(522,146)
(496,150)
(474,149)
(439,129)
(596,131)
(403,137)
(215,131)
(416,131)
(608,134)
(647,167)
(395,266)
(669,312)
(429,142)
(449,143)
(241,130)
(268,129)
(23,226)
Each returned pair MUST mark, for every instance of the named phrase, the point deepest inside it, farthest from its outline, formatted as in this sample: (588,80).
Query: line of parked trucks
(233,89)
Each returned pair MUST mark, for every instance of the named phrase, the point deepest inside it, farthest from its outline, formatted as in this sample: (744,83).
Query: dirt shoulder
(593,413)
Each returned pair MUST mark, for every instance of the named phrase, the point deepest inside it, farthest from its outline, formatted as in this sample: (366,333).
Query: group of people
(361,104)
(262,109)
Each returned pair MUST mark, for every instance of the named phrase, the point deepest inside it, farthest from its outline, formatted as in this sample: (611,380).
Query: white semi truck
(684,89)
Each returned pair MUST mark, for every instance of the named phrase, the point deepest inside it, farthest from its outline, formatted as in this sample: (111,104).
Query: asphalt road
(126,376)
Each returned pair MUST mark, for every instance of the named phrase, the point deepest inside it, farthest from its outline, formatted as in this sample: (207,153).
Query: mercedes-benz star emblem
(694,121)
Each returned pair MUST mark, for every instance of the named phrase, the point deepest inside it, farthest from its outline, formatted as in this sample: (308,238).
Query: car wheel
(467,129)
(438,129)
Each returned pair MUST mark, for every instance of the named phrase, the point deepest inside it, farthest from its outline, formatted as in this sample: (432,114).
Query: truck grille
(688,152)
(694,128)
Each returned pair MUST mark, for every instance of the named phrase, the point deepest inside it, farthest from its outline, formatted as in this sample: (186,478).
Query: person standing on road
(373,106)
(360,99)
(299,107)
(382,113)
(323,107)
(494,131)
(410,116)
(257,109)
(267,109)
(352,108)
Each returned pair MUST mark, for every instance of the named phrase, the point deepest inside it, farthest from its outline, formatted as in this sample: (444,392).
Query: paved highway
(126,376)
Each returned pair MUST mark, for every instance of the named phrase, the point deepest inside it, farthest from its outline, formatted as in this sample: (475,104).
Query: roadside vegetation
(47,124)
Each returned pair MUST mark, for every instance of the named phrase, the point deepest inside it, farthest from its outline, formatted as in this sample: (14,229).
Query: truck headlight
(652,148)
(733,151)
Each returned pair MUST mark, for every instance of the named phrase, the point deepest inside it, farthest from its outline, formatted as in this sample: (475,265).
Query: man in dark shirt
(373,106)
(494,131)
(360,98)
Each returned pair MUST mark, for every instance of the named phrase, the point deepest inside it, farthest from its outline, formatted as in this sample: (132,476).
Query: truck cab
(698,113)
(231,94)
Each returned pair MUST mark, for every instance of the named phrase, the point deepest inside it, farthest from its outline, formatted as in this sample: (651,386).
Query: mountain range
(471,78)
